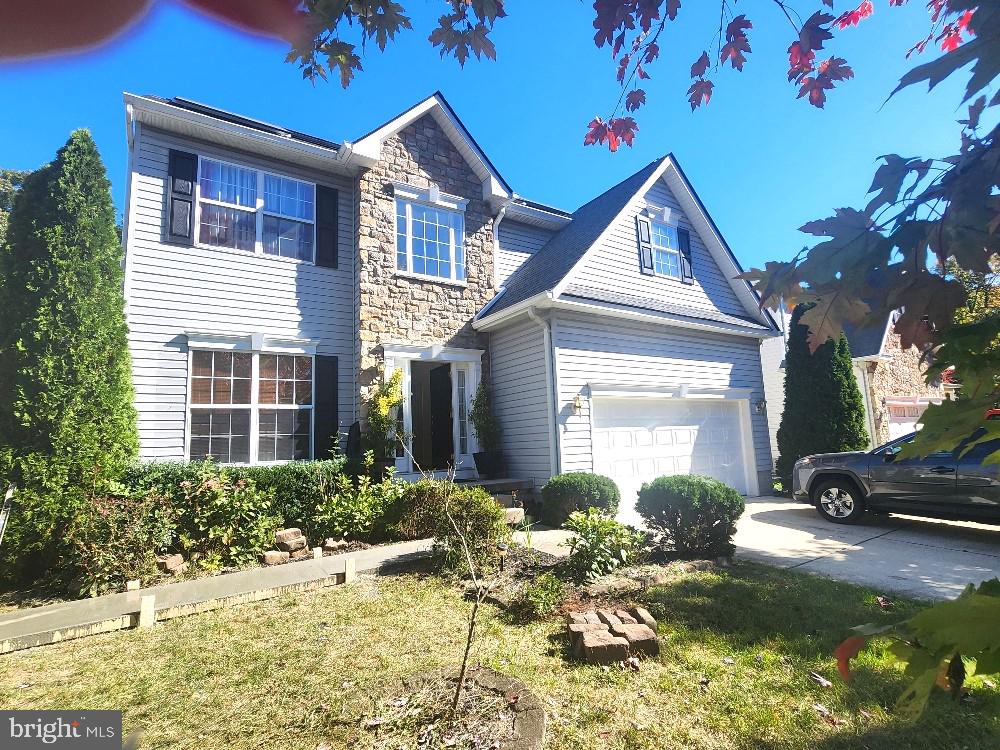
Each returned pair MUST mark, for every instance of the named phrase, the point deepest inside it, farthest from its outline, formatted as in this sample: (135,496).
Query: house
(272,277)
(891,379)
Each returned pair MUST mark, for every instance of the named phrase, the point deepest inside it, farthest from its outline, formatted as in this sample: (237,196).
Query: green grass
(299,671)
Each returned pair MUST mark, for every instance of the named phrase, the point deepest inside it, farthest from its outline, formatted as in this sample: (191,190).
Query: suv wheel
(838,500)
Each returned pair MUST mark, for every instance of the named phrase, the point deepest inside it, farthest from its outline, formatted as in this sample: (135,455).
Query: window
(228,425)
(666,250)
(463,413)
(430,241)
(255,211)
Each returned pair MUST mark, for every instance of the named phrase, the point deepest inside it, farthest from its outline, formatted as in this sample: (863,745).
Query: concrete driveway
(922,558)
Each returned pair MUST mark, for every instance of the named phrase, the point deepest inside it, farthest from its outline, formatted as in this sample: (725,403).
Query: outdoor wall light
(577,405)
(760,405)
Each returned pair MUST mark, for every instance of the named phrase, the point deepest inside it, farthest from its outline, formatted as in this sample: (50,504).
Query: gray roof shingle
(556,258)
(865,340)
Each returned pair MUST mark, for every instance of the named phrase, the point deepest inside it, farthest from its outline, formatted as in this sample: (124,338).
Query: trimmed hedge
(566,493)
(695,516)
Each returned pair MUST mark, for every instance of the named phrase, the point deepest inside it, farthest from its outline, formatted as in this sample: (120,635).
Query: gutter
(496,241)
(555,450)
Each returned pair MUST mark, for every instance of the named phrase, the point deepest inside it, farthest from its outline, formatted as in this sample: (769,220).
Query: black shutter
(326,427)
(687,270)
(326,227)
(645,240)
(182,171)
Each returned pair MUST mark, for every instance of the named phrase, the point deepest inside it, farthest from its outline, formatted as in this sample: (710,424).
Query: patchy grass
(299,671)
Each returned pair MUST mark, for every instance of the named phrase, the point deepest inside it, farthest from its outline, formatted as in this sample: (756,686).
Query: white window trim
(256,344)
(427,195)
(435,199)
(258,211)
(667,251)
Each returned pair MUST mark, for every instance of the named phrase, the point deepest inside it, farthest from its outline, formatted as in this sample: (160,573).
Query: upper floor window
(666,250)
(255,211)
(430,241)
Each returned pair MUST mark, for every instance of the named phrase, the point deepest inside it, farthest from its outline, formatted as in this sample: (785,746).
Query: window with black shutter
(182,172)
(643,233)
(687,269)
(326,226)
(327,421)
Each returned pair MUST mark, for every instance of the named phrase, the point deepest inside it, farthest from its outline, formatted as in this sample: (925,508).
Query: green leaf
(912,702)
(969,624)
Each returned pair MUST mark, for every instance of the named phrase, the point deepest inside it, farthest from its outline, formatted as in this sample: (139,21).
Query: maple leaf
(776,279)
(700,66)
(799,63)
(647,11)
(700,93)
(825,319)
(672,7)
(846,651)
(652,52)
(855,16)
(829,71)
(622,68)
(635,99)
(596,133)
(736,42)
(341,56)
(813,34)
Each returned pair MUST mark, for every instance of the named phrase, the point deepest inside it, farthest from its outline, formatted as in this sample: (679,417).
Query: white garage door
(639,439)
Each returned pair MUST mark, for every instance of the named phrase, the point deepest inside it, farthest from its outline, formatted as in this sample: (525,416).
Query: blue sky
(762,161)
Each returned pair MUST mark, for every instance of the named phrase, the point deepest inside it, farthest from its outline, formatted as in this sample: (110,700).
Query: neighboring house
(891,379)
(273,277)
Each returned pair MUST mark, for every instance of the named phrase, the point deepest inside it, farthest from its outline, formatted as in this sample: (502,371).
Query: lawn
(299,671)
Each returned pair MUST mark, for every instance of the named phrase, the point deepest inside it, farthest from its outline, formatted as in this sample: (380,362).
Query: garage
(636,440)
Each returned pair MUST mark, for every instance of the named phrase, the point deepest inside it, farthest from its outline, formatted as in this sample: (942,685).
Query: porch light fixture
(577,405)
(760,405)
(666,214)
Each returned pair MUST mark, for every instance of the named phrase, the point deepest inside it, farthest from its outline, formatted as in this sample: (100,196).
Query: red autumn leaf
(652,52)
(641,71)
(614,132)
(624,128)
(799,62)
(700,66)
(813,32)
(647,11)
(597,132)
(672,7)
(635,99)
(857,15)
(736,42)
(836,69)
(846,651)
(623,68)
(826,75)
(700,93)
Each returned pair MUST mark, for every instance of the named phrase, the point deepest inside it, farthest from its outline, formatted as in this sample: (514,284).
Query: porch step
(514,516)
(499,486)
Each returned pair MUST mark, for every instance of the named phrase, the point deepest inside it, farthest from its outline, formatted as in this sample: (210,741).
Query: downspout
(555,452)
(496,241)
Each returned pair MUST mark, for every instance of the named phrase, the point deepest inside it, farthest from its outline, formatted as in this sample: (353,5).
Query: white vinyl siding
(171,289)
(594,350)
(516,243)
(614,265)
(517,366)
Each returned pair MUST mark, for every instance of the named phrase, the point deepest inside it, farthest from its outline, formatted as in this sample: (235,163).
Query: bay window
(255,211)
(249,407)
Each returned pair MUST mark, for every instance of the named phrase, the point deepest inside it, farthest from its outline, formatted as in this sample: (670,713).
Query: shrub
(600,544)
(566,493)
(115,538)
(484,420)
(543,595)
(224,520)
(67,423)
(384,399)
(354,508)
(419,512)
(694,516)
(824,411)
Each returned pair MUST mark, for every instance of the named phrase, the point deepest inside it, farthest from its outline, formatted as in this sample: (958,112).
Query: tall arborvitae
(67,420)
(824,412)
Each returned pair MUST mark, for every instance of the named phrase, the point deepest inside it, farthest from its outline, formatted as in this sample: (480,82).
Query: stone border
(529,714)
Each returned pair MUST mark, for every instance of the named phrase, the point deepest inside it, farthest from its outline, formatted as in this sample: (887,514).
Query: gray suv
(843,486)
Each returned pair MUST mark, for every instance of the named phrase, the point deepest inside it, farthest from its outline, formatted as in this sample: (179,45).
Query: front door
(442,435)
(432,431)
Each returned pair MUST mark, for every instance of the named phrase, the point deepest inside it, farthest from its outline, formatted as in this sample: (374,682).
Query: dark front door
(442,434)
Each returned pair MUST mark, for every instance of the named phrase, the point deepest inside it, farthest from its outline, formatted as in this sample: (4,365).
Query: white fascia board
(693,209)
(661,318)
(434,352)
(568,277)
(540,301)
(172,118)
(536,216)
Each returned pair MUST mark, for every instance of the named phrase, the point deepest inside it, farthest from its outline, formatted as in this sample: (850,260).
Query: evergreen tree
(67,420)
(824,412)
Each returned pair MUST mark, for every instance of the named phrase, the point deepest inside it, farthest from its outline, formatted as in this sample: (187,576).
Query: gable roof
(868,338)
(546,268)
(367,150)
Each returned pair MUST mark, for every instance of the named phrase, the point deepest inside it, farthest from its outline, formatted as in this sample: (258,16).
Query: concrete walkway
(38,626)
(918,557)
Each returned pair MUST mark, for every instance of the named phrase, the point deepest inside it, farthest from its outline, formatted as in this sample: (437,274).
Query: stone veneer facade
(396,309)
(899,374)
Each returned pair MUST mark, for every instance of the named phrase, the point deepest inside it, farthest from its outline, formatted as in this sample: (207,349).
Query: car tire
(838,500)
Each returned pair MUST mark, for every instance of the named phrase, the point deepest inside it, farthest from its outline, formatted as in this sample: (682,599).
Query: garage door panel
(636,440)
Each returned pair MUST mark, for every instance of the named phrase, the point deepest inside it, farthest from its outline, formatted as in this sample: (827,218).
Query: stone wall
(900,374)
(396,309)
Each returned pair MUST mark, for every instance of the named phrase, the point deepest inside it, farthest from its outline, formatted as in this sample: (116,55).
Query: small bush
(599,545)
(694,516)
(543,595)
(224,520)
(353,509)
(566,493)
(115,538)
(419,513)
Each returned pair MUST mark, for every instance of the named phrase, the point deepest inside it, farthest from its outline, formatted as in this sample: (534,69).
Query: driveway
(922,558)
